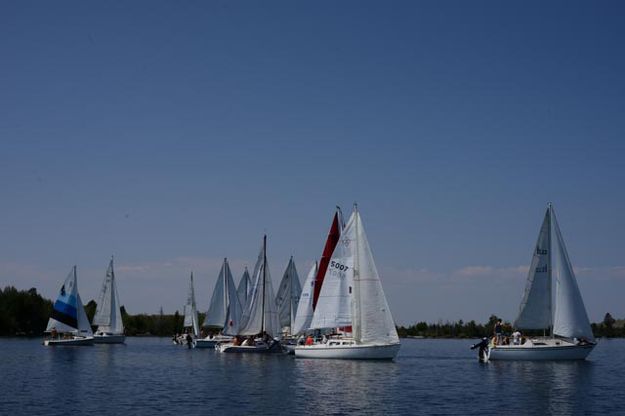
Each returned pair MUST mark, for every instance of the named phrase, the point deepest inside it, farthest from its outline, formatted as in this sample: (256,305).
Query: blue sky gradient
(174,134)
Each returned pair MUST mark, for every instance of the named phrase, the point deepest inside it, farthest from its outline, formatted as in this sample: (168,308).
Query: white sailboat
(191,324)
(288,297)
(564,314)
(108,315)
(352,295)
(68,323)
(304,314)
(260,318)
(224,312)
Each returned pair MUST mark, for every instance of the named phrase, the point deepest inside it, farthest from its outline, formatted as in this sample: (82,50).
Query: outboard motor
(482,353)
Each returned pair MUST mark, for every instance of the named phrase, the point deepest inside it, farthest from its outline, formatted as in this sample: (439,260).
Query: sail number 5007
(339,266)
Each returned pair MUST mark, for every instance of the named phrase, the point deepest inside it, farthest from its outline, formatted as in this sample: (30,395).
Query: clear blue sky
(172,134)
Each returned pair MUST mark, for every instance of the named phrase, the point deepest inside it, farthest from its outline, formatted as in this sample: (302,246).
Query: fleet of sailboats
(224,313)
(108,315)
(562,312)
(341,311)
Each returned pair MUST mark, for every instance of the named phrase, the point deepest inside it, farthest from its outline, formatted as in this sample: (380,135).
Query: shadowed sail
(108,315)
(224,311)
(288,296)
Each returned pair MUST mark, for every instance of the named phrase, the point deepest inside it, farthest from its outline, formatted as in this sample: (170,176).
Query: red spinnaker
(333,239)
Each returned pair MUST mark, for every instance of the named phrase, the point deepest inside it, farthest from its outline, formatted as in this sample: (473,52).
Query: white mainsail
(190,310)
(260,313)
(570,318)
(536,311)
(68,312)
(224,311)
(288,295)
(335,298)
(108,315)
(244,288)
(304,314)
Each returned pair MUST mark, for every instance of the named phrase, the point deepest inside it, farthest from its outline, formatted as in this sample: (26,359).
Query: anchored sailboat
(288,297)
(68,323)
(224,312)
(108,315)
(260,318)
(564,314)
(352,295)
(191,324)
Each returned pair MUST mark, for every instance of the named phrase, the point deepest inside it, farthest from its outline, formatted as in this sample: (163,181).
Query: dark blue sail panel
(64,311)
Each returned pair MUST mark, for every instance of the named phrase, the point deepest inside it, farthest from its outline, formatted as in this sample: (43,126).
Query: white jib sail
(288,295)
(233,306)
(304,314)
(108,314)
(372,322)
(334,304)
(218,308)
(570,318)
(536,309)
(260,313)
(190,310)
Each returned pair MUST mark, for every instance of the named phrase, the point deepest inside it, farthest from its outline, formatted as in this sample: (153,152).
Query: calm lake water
(151,376)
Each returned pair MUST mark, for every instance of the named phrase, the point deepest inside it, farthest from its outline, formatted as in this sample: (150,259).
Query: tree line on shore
(26,313)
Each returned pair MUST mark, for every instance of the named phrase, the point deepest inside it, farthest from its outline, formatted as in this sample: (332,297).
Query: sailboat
(352,296)
(304,313)
(288,297)
(68,323)
(260,318)
(191,324)
(108,315)
(564,314)
(245,285)
(224,312)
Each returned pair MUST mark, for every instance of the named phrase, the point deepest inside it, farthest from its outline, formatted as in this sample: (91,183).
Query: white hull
(545,350)
(109,339)
(75,341)
(258,348)
(348,352)
(212,342)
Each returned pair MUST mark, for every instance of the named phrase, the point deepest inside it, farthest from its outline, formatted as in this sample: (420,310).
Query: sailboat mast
(262,328)
(550,267)
(356,321)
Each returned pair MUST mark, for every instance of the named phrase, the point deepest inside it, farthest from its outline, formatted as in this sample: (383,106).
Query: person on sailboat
(499,332)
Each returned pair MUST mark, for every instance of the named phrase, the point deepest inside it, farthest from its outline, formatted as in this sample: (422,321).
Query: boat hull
(253,349)
(109,339)
(72,342)
(549,352)
(212,342)
(348,352)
